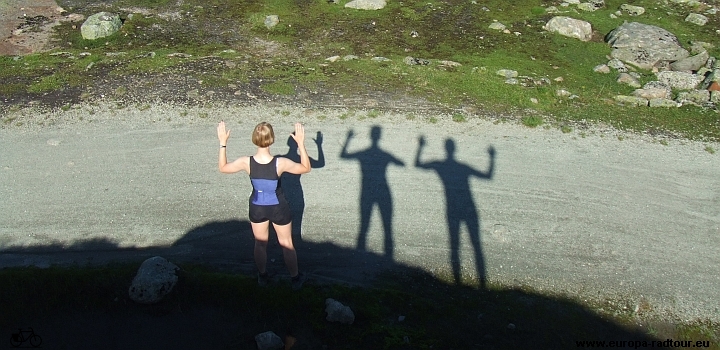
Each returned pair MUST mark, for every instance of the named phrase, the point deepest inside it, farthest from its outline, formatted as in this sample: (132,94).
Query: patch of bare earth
(26,25)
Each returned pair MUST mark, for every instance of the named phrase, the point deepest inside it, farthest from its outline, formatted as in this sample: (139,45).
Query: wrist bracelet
(223,146)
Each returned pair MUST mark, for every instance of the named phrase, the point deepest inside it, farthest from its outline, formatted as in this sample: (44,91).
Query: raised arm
(287,165)
(491,169)
(344,153)
(240,164)
(320,162)
(421,144)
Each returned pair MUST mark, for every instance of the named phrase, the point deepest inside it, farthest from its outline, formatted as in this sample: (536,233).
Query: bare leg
(284,234)
(261,233)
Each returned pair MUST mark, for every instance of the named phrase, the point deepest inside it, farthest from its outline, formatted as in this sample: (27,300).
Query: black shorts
(277,214)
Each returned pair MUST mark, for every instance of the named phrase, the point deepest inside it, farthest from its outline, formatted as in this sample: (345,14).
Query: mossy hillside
(290,57)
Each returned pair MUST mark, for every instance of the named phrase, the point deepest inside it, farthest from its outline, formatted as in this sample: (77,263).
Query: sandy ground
(19,38)
(591,215)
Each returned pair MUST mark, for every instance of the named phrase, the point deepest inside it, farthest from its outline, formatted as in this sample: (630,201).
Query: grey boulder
(100,25)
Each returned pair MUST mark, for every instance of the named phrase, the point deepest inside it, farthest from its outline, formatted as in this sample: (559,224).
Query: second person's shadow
(375,189)
(291,186)
(459,203)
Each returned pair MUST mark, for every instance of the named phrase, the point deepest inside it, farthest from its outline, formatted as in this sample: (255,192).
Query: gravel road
(585,214)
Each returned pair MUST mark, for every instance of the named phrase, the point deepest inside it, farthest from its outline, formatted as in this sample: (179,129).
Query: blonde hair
(263,135)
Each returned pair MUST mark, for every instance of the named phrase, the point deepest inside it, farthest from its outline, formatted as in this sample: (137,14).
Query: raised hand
(318,139)
(491,151)
(350,133)
(223,135)
(299,134)
(421,141)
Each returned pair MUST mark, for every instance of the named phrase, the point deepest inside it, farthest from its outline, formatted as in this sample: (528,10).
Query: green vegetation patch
(293,54)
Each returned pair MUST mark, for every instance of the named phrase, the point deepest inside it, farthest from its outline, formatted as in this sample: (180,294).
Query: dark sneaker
(263,279)
(297,281)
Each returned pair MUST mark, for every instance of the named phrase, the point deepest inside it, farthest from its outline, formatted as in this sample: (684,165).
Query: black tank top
(265,182)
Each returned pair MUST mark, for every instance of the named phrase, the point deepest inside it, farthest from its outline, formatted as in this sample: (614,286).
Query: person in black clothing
(267,201)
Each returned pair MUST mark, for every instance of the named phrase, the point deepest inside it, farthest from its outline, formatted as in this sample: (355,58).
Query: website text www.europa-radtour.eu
(639,344)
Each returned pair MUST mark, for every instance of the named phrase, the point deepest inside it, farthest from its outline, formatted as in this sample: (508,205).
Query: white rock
(497,26)
(696,18)
(271,21)
(570,27)
(366,4)
(155,278)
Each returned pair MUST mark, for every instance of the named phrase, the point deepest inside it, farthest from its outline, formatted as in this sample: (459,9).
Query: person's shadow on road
(375,189)
(291,186)
(460,206)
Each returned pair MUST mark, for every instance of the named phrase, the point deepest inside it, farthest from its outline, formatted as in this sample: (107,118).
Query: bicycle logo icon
(23,336)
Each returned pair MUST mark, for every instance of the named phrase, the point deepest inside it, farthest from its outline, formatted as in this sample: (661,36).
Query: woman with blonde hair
(267,201)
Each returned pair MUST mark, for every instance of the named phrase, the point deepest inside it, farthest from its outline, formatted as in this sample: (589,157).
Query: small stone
(562,93)
(401,318)
(631,101)
(269,341)
(507,73)
(602,68)
(450,63)
(696,18)
(179,55)
(632,10)
(497,26)
(271,21)
(510,326)
(337,312)
(662,102)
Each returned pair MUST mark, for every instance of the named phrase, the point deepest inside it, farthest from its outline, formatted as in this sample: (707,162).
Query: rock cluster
(693,75)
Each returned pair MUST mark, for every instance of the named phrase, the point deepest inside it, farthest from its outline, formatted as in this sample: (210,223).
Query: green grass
(292,55)
(459,118)
(532,121)
(279,88)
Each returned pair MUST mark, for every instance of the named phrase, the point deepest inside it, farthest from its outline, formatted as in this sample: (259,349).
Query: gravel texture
(594,213)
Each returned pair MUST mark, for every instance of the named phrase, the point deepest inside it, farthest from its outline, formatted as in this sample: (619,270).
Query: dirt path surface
(591,216)
(25,25)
